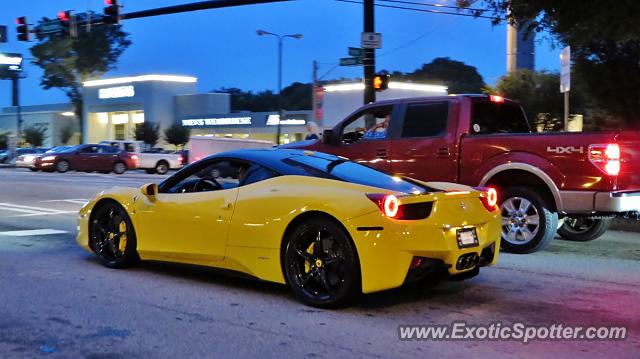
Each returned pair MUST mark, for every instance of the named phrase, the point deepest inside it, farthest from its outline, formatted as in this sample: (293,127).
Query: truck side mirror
(329,138)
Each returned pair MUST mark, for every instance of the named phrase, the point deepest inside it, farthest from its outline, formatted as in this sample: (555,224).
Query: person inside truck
(379,130)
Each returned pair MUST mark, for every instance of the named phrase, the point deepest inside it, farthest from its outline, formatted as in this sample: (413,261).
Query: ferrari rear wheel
(112,237)
(321,264)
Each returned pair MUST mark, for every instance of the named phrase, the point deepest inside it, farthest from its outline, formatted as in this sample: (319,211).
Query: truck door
(425,147)
(364,137)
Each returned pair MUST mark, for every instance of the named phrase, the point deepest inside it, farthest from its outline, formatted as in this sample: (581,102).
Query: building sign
(272,120)
(221,121)
(10,65)
(116,92)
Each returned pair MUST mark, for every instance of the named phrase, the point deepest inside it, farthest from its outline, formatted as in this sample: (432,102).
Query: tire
(162,167)
(119,168)
(584,229)
(112,236)
(62,166)
(521,208)
(321,264)
(150,171)
(33,169)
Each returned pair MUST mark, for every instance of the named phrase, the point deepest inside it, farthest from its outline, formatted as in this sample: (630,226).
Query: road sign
(49,27)
(356,52)
(3,33)
(351,61)
(10,65)
(371,40)
(565,69)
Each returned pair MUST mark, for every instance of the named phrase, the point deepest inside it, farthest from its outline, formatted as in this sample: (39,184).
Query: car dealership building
(113,107)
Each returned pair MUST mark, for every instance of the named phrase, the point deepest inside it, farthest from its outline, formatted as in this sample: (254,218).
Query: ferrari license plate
(467,237)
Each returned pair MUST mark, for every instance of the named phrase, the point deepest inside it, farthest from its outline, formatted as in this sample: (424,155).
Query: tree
(604,40)
(65,134)
(34,135)
(68,62)
(148,132)
(4,140)
(296,96)
(456,75)
(177,135)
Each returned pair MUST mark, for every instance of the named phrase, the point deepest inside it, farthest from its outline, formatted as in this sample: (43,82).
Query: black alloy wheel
(112,237)
(321,264)
(584,229)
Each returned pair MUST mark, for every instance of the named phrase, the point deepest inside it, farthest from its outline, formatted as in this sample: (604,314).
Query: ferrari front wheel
(112,236)
(321,264)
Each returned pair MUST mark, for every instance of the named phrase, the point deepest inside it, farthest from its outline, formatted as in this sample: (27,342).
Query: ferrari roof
(272,157)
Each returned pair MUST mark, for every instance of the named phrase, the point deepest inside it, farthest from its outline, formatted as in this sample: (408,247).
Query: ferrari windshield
(349,171)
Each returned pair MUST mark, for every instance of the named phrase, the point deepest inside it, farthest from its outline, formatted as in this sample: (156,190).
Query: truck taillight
(496,98)
(606,157)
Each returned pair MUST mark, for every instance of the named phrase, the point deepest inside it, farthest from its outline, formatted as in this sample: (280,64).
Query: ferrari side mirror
(150,189)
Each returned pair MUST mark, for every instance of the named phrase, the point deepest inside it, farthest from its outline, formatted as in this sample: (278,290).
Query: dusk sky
(221,47)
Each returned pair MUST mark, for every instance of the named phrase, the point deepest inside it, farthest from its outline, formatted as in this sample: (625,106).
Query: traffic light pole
(15,81)
(369,60)
(203,5)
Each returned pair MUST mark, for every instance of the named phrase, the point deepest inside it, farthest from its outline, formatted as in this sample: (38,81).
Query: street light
(280,37)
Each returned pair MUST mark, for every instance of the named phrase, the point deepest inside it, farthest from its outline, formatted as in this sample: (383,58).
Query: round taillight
(492,197)
(390,205)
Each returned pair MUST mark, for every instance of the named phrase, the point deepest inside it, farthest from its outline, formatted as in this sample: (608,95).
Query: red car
(583,178)
(89,158)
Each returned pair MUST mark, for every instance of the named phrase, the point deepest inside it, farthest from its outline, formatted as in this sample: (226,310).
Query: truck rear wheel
(584,229)
(528,224)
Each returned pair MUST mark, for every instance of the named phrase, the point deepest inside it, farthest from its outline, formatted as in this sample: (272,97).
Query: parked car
(484,140)
(341,229)
(29,160)
(151,161)
(89,157)
(16,155)
(4,156)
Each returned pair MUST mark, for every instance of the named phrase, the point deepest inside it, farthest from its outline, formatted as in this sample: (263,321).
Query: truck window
(489,117)
(426,120)
(369,125)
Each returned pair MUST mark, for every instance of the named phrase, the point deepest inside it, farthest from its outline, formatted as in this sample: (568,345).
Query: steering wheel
(206,184)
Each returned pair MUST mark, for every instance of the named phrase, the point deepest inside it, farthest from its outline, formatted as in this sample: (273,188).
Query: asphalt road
(57,301)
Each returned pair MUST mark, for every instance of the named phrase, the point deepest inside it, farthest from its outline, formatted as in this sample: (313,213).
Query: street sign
(49,27)
(565,69)
(351,61)
(356,52)
(10,65)
(371,40)
(3,33)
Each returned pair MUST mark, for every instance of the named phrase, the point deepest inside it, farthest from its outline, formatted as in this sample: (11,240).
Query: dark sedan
(89,158)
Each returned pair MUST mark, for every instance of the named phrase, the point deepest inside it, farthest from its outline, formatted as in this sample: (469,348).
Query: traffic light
(381,82)
(23,29)
(65,22)
(112,12)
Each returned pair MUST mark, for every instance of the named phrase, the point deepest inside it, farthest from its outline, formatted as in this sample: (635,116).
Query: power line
(433,5)
(425,10)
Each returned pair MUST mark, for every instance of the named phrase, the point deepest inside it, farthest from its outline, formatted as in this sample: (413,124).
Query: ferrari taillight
(606,157)
(391,207)
(387,203)
(489,199)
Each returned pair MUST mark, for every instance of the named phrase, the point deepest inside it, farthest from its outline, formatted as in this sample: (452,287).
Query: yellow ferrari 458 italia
(328,227)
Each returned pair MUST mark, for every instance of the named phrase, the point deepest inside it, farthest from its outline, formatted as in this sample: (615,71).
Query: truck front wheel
(584,229)
(528,223)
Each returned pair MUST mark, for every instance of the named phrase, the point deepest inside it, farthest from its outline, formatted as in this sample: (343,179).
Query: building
(113,108)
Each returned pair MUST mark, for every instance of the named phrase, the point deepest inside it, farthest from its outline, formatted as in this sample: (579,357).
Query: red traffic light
(111,2)
(22,20)
(64,15)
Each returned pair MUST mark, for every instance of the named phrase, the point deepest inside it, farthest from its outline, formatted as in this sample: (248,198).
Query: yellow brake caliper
(307,265)
(122,228)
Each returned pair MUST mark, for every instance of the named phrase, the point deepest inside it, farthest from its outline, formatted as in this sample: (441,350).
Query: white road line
(41,214)
(13,206)
(32,232)
(72,200)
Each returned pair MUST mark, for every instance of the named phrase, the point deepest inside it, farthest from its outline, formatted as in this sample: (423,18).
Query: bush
(34,135)
(65,134)
(177,135)
(148,132)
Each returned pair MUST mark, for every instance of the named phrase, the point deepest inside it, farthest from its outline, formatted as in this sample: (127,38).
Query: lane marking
(13,206)
(72,200)
(42,214)
(32,232)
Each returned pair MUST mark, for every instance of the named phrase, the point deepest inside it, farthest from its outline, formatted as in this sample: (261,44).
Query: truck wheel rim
(520,220)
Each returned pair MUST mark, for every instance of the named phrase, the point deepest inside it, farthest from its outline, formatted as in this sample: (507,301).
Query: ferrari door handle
(227,205)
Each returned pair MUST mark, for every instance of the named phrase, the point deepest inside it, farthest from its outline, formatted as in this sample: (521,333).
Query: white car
(151,162)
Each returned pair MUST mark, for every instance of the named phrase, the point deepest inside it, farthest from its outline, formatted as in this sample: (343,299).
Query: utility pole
(369,60)
(314,84)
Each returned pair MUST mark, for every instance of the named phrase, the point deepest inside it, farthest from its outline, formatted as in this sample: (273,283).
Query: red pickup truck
(570,183)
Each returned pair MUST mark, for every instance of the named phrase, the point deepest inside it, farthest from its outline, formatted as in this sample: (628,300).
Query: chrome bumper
(591,201)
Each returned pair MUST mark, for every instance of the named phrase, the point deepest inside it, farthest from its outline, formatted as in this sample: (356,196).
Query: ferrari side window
(212,176)
(256,173)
